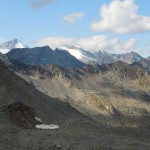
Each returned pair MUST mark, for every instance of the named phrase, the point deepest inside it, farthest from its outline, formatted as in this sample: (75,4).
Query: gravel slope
(76,132)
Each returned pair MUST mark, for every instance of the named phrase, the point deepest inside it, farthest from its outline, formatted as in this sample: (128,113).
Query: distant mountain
(129,57)
(144,64)
(148,58)
(103,57)
(78,52)
(7,46)
(100,57)
(44,55)
(81,55)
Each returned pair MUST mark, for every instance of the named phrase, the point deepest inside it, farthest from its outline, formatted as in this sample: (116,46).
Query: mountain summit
(78,52)
(130,57)
(15,43)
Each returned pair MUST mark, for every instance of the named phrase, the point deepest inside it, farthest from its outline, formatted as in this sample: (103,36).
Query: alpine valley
(86,100)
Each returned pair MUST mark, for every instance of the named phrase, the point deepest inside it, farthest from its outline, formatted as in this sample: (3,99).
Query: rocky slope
(116,94)
(21,108)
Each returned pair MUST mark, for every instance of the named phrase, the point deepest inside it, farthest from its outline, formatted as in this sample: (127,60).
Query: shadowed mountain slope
(44,55)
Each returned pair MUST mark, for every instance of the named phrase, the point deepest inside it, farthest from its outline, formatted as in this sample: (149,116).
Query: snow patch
(38,119)
(4,51)
(45,126)
(81,54)
(75,52)
(7,46)
(32,77)
(19,45)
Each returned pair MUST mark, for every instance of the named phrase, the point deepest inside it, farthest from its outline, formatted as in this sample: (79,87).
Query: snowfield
(4,51)
(44,126)
(79,53)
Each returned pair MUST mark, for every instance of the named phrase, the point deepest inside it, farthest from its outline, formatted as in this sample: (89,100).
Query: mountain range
(101,57)
(44,55)
(79,54)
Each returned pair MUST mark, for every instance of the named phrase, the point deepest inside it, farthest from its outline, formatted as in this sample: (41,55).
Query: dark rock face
(21,115)
(124,70)
(127,71)
(44,55)
(104,58)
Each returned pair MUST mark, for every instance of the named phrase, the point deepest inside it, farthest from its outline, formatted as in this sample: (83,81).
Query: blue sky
(21,20)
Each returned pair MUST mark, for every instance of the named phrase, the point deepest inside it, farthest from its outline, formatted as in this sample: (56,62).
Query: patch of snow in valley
(32,77)
(45,126)
(38,119)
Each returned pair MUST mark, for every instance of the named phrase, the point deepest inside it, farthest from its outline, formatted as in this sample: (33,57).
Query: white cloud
(94,43)
(121,16)
(37,4)
(72,18)
(54,42)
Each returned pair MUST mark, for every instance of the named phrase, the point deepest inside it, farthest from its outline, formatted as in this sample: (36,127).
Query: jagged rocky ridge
(100,57)
(81,55)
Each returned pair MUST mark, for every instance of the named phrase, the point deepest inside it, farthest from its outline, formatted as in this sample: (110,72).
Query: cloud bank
(93,43)
(121,16)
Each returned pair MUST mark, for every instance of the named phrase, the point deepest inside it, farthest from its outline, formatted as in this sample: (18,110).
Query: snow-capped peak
(130,57)
(73,50)
(7,46)
(79,53)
